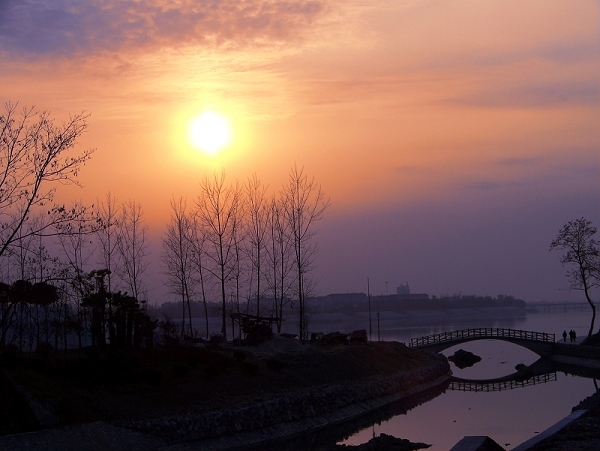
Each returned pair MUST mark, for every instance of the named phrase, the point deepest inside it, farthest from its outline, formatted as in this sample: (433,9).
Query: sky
(453,139)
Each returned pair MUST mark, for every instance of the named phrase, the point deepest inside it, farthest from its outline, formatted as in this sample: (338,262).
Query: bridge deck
(481,332)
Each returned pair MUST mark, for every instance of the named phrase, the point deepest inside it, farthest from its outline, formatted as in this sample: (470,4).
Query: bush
(275,365)
(44,349)
(10,354)
(211,371)
(239,355)
(151,376)
(249,367)
(216,338)
(179,369)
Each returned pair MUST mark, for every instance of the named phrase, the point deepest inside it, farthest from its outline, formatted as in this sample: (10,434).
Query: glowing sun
(210,132)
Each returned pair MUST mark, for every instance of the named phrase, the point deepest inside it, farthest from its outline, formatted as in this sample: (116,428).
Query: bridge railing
(481,332)
(502,385)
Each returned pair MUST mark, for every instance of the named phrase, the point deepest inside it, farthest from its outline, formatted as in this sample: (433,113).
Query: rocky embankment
(292,406)
(214,397)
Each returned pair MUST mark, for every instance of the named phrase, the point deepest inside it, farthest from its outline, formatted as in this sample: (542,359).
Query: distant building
(403,289)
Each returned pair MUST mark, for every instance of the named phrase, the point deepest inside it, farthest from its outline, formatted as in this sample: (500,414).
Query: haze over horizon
(453,139)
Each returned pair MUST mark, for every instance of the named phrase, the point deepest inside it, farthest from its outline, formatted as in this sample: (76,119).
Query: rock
(384,442)
(477,443)
(464,359)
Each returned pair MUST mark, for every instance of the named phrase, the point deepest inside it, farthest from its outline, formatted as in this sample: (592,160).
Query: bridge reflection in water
(457,384)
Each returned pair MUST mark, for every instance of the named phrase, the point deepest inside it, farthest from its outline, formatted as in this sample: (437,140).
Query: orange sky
(431,122)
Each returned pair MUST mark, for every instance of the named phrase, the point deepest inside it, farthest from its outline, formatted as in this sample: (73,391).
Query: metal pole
(378,330)
(369,296)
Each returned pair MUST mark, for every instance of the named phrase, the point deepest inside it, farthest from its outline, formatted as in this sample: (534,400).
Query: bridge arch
(541,343)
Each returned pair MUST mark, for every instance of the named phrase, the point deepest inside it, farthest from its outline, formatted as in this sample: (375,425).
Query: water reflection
(505,409)
(516,381)
(324,439)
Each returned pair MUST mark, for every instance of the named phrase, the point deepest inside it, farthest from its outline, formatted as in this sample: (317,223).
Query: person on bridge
(565,336)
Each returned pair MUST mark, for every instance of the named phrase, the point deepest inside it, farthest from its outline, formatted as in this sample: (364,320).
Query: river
(510,416)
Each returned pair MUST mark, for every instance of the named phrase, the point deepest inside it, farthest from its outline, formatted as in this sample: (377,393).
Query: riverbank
(583,433)
(210,393)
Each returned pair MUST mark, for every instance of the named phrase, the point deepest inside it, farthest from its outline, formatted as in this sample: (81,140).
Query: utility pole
(386,290)
(369,297)
(378,330)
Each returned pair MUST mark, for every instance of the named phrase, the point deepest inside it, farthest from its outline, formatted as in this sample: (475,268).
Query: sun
(210,132)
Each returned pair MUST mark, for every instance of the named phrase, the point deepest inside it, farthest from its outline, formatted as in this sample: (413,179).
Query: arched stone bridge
(541,343)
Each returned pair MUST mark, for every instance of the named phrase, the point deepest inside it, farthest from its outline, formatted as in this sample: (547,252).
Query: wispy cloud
(35,28)
(536,96)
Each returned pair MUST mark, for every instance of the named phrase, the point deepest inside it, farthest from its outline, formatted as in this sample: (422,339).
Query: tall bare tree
(108,237)
(178,258)
(219,211)
(133,248)
(279,257)
(582,251)
(304,203)
(199,245)
(257,224)
(35,157)
(76,253)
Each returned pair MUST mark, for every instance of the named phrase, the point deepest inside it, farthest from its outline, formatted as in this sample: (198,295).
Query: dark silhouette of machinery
(255,329)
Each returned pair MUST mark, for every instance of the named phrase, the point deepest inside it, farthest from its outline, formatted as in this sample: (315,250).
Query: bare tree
(279,257)
(199,243)
(77,251)
(583,251)
(304,203)
(108,237)
(178,257)
(219,211)
(256,209)
(133,248)
(35,157)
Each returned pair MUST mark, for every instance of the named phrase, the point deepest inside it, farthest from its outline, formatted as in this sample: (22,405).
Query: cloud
(554,175)
(34,28)
(544,95)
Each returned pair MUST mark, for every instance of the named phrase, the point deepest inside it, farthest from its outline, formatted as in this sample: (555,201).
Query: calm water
(510,416)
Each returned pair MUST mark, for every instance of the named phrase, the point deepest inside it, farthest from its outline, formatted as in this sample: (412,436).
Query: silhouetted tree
(20,294)
(304,203)
(133,248)
(576,238)
(280,259)
(199,245)
(108,237)
(96,302)
(178,258)
(219,212)
(35,157)
(257,224)
(7,312)
(43,295)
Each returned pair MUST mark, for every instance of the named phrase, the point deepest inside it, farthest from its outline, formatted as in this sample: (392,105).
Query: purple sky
(454,139)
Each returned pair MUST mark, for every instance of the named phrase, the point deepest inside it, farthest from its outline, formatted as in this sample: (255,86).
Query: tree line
(242,244)
(78,271)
